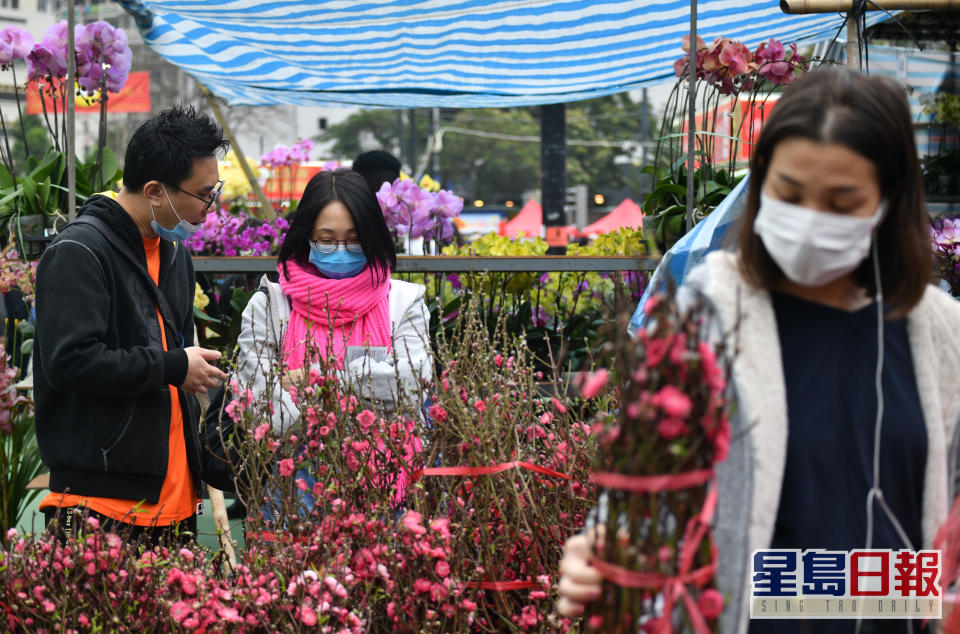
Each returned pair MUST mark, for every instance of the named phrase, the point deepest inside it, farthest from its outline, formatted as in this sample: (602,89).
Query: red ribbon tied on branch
(487,470)
(673,587)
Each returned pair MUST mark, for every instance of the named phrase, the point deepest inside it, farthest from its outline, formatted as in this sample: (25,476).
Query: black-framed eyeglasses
(325,245)
(214,194)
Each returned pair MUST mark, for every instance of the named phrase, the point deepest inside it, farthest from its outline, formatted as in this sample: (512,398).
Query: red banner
(133,97)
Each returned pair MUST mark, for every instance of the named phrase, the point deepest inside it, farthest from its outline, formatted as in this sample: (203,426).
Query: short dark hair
(378,167)
(164,146)
(870,116)
(349,188)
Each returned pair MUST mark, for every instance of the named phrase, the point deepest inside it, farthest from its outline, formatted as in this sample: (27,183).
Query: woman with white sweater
(841,340)
(335,298)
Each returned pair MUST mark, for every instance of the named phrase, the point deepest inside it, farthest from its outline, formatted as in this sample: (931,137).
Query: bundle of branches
(655,463)
(507,465)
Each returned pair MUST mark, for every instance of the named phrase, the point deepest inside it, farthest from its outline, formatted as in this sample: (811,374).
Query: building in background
(257,129)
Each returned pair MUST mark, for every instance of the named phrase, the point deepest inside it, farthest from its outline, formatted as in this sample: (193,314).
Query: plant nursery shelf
(453,264)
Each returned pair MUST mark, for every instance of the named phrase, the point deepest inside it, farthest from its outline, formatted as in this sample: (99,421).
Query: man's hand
(200,374)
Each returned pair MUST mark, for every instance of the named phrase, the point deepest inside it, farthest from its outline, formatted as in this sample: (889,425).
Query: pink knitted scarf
(333,314)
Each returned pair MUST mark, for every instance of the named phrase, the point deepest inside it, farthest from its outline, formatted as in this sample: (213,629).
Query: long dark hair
(870,116)
(351,189)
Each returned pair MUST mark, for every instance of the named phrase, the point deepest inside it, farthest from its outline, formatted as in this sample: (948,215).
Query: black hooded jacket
(101,376)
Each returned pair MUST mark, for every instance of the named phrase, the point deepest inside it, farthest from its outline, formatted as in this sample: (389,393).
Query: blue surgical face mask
(181,232)
(339,264)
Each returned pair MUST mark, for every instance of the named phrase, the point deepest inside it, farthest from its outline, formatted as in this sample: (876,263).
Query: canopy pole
(853,41)
(553,175)
(71,118)
(267,210)
(691,111)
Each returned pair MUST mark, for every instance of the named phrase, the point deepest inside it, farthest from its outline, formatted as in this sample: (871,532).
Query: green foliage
(943,106)
(37,141)
(669,199)
(42,189)
(560,313)
(609,119)
(491,168)
(19,464)
(500,169)
(218,326)
(941,171)
(369,129)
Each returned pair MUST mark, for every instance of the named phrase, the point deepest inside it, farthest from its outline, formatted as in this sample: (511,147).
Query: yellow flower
(235,184)
(429,184)
(200,299)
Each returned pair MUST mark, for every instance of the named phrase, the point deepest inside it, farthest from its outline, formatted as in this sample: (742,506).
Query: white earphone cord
(875,492)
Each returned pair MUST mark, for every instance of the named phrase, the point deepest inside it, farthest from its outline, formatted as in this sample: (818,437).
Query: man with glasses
(116,368)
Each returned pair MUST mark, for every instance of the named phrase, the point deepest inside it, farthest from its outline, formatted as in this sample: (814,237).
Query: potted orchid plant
(733,89)
(945,236)
(38,187)
(418,216)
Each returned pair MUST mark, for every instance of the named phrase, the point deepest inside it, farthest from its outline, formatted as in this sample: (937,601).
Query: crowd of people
(845,381)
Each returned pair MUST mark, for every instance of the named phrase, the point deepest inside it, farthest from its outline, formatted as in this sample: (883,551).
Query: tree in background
(617,121)
(370,130)
(489,168)
(494,153)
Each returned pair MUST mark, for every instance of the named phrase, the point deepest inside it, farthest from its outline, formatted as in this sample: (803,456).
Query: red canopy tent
(626,214)
(529,221)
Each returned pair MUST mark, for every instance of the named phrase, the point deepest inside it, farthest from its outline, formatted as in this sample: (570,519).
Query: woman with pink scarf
(335,298)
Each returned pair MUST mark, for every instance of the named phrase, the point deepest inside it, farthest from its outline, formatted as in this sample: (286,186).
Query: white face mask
(813,248)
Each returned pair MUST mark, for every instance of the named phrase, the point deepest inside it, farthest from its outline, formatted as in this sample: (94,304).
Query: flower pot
(36,232)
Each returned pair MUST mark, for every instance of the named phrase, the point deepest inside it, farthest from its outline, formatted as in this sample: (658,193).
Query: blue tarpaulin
(435,53)
(708,235)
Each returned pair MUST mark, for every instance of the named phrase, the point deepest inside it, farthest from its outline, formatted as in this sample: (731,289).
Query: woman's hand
(580,583)
(291,378)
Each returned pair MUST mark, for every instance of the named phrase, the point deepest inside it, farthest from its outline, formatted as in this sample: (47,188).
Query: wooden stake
(222,523)
(267,210)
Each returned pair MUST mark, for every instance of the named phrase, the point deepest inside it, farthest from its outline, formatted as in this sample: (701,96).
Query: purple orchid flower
(15,43)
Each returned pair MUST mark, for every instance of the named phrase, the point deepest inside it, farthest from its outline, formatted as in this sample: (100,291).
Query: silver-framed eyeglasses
(214,194)
(329,245)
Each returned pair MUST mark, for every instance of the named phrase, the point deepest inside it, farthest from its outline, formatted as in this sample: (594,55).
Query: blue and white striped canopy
(436,53)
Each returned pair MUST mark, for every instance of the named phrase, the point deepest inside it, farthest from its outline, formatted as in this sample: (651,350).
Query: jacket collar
(112,213)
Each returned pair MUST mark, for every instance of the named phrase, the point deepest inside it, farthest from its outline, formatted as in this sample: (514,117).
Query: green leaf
(240,298)
(199,315)
(30,194)
(675,225)
(9,197)
(84,187)
(46,165)
(26,347)
(43,195)
(6,178)
(109,167)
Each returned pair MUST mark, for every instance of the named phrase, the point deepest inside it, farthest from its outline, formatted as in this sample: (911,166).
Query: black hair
(349,188)
(164,147)
(378,167)
(868,114)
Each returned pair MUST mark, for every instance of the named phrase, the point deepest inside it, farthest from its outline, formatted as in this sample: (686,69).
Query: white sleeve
(408,364)
(257,362)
